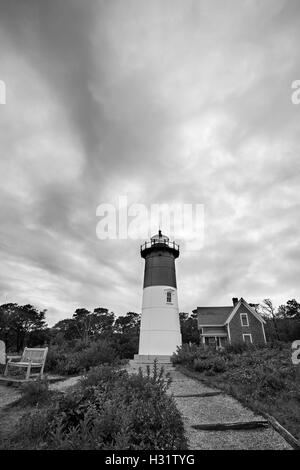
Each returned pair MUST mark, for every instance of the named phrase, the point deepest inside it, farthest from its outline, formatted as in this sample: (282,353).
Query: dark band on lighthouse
(160,268)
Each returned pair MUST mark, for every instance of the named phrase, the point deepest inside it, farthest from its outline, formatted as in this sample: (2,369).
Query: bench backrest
(34,355)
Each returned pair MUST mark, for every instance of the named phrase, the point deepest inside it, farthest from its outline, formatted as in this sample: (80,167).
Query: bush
(211,364)
(35,393)
(187,354)
(81,358)
(237,348)
(110,409)
(219,365)
(262,377)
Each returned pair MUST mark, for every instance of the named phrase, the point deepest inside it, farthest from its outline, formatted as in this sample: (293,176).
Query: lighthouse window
(169,296)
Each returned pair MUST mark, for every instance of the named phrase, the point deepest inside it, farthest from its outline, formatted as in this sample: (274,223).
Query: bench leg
(42,371)
(6,369)
(28,371)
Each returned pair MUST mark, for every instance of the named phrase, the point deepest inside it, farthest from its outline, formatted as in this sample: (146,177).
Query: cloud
(162,101)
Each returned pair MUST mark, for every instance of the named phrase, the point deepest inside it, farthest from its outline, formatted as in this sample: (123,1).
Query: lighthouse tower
(160,328)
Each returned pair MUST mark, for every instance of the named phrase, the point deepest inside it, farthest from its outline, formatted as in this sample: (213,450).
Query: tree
(6,311)
(102,321)
(18,321)
(82,323)
(125,324)
(126,337)
(290,310)
(269,310)
(66,328)
(189,327)
(86,325)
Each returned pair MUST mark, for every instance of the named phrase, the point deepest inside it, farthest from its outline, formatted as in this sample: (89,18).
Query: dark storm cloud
(163,101)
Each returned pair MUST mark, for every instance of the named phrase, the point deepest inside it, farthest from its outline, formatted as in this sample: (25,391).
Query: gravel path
(64,384)
(218,409)
(10,417)
(195,410)
(9,394)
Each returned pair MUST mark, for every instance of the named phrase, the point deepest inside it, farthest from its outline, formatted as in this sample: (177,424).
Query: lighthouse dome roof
(160,238)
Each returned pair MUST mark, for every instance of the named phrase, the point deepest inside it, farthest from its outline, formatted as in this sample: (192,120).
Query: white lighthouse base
(160,328)
(142,362)
(147,359)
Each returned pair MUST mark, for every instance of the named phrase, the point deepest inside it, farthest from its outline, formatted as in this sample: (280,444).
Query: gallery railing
(146,245)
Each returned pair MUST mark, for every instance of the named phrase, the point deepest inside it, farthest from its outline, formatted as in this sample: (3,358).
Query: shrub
(237,348)
(35,393)
(219,365)
(216,365)
(100,352)
(201,365)
(81,358)
(269,385)
(262,377)
(110,409)
(55,354)
(186,354)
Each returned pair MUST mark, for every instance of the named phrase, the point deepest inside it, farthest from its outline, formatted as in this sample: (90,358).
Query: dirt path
(218,408)
(9,416)
(64,384)
(9,393)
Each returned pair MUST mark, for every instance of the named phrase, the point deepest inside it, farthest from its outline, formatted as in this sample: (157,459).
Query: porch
(214,336)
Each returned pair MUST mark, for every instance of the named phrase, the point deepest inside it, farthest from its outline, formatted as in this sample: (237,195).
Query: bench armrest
(11,358)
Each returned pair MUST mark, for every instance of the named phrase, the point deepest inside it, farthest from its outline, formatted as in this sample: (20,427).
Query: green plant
(110,409)
(82,357)
(261,377)
(35,393)
(237,348)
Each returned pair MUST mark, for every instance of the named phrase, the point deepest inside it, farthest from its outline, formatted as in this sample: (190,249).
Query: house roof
(213,315)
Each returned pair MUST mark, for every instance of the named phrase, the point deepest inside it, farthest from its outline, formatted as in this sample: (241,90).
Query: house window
(169,297)
(247,338)
(244,319)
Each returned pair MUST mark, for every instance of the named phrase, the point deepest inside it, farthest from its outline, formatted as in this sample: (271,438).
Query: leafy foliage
(110,409)
(80,357)
(290,310)
(282,324)
(35,393)
(262,377)
(18,323)
(189,328)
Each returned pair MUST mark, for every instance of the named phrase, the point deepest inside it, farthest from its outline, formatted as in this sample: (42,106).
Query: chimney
(235,301)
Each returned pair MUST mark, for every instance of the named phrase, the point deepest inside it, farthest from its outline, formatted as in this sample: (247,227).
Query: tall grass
(262,378)
(109,409)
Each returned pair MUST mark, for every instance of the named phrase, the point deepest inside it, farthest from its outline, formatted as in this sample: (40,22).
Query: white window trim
(247,334)
(244,313)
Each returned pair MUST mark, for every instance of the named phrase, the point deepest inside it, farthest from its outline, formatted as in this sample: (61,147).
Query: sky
(163,101)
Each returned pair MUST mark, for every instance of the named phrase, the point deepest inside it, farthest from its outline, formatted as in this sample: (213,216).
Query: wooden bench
(31,358)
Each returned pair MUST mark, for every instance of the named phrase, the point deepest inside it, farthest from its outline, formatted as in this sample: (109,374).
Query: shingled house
(237,323)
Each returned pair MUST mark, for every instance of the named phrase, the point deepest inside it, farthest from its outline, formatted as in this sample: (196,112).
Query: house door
(247,338)
(210,341)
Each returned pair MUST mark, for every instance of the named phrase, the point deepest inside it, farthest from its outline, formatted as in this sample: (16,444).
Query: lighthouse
(160,328)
